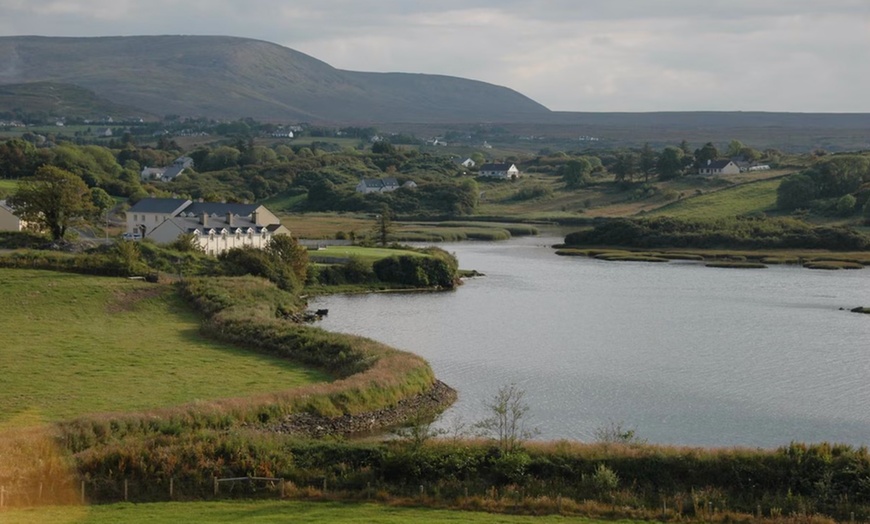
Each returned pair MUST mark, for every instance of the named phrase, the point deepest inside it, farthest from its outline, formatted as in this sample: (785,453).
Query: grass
(743,199)
(249,511)
(74,345)
(367,254)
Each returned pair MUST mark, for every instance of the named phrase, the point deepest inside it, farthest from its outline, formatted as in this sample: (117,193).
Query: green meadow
(743,199)
(75,344)
(283,511)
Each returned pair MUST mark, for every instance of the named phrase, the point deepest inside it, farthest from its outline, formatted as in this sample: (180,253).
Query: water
(684,354)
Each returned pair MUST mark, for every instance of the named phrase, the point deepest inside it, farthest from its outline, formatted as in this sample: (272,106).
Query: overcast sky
(571,55)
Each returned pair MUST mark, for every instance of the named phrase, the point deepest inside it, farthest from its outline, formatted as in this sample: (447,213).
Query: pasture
(75,344)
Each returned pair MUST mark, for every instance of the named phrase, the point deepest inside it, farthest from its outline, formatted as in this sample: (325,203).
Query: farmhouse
(216,226)
(505,171)
(169,173)
(719,167)
(9,221)
(377,185)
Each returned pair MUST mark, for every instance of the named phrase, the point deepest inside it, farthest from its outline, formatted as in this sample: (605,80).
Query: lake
(682,353)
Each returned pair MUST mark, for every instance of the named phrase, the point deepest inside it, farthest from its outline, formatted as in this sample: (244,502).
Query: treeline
(324,174)
(730,233)
(835,186)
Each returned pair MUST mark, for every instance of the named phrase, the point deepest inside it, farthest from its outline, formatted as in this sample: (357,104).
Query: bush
(416,271)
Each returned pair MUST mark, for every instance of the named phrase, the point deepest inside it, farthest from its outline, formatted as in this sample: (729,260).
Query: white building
(504,171)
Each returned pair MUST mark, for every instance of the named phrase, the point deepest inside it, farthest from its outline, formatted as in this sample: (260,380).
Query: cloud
(621,55)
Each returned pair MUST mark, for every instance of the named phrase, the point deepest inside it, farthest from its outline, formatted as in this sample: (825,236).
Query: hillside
(227,77)
(60,99)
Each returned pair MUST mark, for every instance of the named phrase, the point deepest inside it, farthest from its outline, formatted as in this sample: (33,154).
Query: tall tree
(575,173)
(625,166)
(670,163)
(706,154)
(647,161)
(384,225)
(54,199)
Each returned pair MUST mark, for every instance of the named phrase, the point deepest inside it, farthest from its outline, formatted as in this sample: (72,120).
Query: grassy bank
(742,199)
(810,259)
(76,344)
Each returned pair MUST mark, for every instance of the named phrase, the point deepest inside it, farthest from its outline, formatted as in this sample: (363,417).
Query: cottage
(503,171)
(468,162)
(719,167)
(377,185)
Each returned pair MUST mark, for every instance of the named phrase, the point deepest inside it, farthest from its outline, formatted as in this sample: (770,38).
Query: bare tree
(507,420)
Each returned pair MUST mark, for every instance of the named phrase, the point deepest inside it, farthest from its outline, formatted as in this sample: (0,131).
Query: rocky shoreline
(438,398)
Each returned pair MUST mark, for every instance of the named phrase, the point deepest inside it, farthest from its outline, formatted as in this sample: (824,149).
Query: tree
(866,212)
(670,163)
(101,200)
(54,199)
(507,421)
(735,148)
(288,251)
(383,225)
(795,191)
(575,173)
(625,166)
(707,153)
(647,161)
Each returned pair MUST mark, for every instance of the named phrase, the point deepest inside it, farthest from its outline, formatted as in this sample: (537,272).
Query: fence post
(171,486)
(40,492)
(83,492)
(2,496)
(215,485)
(126,491)
(324,485)
(282,487)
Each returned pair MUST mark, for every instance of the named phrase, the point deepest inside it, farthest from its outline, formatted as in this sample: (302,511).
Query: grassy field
(753,197)
(368,254)
(76,344)
(245,511)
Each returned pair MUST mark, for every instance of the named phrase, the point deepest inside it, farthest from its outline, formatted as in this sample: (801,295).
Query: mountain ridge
(232,77)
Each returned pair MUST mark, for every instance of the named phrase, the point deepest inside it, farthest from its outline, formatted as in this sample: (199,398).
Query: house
(504,171)
(719,167)
(377,185)
(9,221)
(167,174)
(104,131)
(216,226)
(468,162)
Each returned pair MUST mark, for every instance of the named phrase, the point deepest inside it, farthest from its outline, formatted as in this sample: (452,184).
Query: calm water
(682,353)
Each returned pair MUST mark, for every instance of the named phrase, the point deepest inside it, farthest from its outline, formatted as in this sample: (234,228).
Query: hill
(228,77)
(51,98)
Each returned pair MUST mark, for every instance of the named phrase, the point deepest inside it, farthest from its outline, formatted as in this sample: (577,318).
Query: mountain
(228,77)
(51,98)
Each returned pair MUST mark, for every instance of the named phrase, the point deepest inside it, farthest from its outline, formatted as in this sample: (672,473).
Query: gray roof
(495,167)
(159,205)
(172,172)
(220,208)
(6,206)
(192,224)
(380,182)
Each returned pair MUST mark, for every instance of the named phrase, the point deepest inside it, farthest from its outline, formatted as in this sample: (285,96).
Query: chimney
(254,217)
(230,220)
(709,161)
(204,220)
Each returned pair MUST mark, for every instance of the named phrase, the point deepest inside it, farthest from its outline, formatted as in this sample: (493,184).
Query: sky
(569,55)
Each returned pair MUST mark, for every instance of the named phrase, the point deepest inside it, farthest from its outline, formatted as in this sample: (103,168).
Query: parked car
(132,236)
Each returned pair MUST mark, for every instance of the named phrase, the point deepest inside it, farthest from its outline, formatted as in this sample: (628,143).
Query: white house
(217,226)
(9,221)
(169,173)
(218,233)
(719,167)
(504,171)
(377,185)
(468,162)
